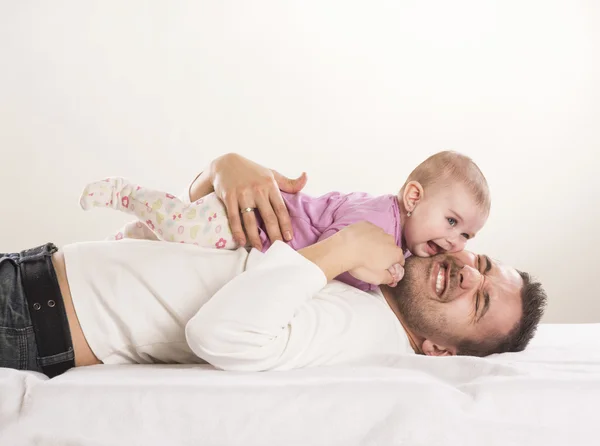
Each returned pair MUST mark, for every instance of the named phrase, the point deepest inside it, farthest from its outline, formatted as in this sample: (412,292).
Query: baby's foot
(105,193)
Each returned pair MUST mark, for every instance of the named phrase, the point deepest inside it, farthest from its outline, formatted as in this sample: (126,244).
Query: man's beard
(417,303)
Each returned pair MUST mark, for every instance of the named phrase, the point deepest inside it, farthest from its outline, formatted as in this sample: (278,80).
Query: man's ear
(431,349)
(412,195)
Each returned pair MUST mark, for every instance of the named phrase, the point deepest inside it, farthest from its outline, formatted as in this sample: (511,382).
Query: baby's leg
(134,230)
(203,223)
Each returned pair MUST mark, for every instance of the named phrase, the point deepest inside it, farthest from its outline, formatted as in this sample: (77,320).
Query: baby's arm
(376,211)
(203,222)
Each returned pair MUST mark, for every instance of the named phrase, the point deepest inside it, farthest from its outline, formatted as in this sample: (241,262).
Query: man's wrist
(201,186)
(204,183)
(216,165)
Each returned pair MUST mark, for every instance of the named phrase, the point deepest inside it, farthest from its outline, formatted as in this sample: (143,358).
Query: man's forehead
(509,273)
(504,284)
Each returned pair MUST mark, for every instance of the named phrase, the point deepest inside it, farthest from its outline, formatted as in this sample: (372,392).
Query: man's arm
(266,318)
(255,322)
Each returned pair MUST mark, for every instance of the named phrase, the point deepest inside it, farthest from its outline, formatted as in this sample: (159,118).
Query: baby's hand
(397,273)
(370,252)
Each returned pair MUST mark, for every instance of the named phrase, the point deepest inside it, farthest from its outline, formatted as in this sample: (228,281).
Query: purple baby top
(316,218)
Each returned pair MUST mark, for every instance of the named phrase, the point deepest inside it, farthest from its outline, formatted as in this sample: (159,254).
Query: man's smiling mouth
(440,282)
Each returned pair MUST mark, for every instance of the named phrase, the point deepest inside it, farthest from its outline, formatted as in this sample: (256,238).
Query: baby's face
(443,221)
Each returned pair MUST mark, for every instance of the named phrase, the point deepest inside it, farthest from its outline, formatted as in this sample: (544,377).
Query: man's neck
(412,338)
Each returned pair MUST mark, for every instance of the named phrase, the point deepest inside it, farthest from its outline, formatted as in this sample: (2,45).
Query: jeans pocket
(18,349)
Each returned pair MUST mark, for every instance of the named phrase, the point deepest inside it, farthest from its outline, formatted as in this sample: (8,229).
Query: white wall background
(355,93)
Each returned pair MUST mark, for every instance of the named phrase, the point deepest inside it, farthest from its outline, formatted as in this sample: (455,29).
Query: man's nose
(469,277)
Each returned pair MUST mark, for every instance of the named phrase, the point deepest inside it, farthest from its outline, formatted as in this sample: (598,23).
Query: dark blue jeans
(18,347)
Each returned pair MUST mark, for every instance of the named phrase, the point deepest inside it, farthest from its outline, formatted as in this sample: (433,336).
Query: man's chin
(416,280)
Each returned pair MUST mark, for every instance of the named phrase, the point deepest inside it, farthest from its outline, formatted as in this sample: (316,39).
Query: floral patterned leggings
(203,222)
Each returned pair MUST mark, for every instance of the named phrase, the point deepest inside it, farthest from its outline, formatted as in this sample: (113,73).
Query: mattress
(547,395)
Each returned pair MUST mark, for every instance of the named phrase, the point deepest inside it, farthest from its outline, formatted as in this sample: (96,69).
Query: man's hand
(362,249)
(240,184)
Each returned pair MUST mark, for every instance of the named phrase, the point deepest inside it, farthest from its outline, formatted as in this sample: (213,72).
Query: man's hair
(446,167)
(533,303)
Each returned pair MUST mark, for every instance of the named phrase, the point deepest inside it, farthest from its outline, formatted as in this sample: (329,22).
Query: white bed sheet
(547,395)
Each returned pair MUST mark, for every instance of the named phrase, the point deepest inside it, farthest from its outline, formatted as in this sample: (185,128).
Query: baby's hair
(446,167)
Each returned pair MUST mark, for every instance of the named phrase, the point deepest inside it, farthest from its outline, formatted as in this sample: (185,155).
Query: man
(145,302)
(240,183)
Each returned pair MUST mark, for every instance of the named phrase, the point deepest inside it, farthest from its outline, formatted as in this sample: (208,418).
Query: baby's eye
(452,221)
(466,236)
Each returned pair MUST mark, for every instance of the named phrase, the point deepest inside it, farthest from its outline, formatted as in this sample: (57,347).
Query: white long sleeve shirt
(140,301)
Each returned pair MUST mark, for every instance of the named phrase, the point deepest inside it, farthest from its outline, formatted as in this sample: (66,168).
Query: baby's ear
(412,195)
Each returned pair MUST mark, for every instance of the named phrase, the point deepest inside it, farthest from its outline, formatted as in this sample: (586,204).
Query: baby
(444,202)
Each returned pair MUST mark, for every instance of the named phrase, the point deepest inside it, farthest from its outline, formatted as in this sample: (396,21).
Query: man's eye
(452,221)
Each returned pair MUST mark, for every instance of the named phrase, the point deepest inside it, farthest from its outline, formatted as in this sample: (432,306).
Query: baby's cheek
(459,246)
(419,251)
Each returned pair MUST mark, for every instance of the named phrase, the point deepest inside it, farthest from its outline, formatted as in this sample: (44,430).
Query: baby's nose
(456,244)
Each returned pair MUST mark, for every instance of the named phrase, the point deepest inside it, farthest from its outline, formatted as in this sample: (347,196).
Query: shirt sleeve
(263,318)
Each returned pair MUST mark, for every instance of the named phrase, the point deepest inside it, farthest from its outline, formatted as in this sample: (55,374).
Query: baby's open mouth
(435,247)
